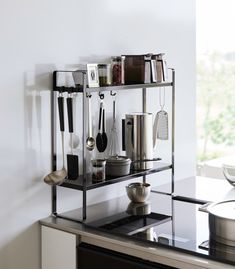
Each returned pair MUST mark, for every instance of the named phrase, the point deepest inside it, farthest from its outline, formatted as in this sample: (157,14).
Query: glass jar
(118,70)
(98,170)
(104,71)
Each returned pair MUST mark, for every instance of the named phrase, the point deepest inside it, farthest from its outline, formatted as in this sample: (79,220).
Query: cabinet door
(58,249)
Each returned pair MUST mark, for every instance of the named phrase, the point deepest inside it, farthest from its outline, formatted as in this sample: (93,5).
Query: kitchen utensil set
(160,131)
(57,177)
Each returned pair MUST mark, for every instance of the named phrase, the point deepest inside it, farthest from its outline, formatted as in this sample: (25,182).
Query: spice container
(118,70)
(98,170)
(104,71)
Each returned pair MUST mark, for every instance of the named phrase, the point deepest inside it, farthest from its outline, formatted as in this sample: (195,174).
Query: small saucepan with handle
(221,216)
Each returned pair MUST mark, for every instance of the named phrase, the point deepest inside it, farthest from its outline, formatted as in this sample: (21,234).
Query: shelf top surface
(86,182)
(131,86)
(79,88)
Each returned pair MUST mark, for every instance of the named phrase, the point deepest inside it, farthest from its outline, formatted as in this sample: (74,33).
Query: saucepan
(221,217)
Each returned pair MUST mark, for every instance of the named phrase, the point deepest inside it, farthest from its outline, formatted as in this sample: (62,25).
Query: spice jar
(98,170)
(104,71)
(118,70)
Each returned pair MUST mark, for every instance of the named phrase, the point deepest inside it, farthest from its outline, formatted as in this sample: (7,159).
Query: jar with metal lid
(118,70)
(104,71)
(98,170)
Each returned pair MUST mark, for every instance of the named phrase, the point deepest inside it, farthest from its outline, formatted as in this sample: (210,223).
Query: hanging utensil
(72,160)
(104,134)
(90,142)
(99,138)
(75,138)
(160,127)
(114,144)
(58,177)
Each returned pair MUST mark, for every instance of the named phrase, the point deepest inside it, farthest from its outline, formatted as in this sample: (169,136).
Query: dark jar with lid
(118,70)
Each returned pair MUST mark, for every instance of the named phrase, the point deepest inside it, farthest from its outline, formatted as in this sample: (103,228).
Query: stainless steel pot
(222,251)
(117,166)
(221,221)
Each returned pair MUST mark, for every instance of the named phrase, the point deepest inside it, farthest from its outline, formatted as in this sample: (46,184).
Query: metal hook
(112,93)
(101,95)
(70,93)
(88,95)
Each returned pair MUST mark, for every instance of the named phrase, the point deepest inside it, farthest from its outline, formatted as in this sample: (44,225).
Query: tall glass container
(118,70)
(104,71)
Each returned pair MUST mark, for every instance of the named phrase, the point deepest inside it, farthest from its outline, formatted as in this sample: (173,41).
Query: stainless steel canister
(139,139)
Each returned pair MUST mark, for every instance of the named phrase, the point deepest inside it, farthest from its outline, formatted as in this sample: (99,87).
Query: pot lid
(224,209)
(98,162)
(120,160)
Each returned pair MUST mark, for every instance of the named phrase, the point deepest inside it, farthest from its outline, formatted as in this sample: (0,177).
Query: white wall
(37,37)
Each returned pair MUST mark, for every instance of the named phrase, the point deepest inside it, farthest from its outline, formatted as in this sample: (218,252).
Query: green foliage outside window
(215,105)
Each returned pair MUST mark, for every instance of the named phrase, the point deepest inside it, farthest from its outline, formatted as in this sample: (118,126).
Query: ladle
(57,177)
(90,142)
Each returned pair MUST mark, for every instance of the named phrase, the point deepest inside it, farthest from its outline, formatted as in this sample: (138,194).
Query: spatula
(99,138)
(104,134)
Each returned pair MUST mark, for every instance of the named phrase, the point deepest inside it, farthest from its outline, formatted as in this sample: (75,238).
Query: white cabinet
(58,249)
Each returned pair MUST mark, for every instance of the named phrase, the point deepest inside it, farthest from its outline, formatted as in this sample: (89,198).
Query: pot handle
(123,135)
(204,207)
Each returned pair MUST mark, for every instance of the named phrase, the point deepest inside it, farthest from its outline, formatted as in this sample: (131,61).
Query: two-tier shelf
(84,182)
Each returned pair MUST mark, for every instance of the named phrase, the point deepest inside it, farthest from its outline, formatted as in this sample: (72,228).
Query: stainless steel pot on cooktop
(221,221)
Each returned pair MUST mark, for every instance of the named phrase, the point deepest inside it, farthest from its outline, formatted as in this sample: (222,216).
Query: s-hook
(101,95)
(112,93)
(88,95)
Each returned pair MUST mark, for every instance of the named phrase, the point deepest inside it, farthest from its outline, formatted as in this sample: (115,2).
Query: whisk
(114,144)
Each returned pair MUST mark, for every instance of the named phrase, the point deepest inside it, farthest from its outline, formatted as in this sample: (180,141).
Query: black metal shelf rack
(84,182)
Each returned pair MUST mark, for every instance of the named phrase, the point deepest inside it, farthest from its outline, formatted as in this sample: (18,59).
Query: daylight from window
(215,83)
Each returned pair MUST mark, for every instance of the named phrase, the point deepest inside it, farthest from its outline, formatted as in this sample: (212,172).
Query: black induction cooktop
(184,228)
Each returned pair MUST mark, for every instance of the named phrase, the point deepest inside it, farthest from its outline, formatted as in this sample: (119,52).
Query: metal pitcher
(139,139)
